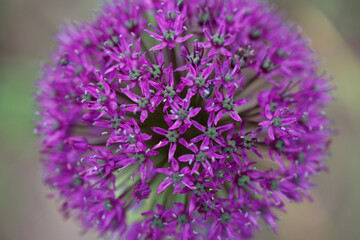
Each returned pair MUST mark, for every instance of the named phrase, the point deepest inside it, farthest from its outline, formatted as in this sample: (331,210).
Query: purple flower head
(182,119)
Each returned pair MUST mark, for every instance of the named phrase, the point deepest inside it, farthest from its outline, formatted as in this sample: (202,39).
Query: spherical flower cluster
(182,119)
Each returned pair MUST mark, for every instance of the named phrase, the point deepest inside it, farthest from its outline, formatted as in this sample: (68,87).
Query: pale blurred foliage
(26,32)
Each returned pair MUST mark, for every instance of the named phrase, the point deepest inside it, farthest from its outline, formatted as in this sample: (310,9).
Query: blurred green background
(26,38)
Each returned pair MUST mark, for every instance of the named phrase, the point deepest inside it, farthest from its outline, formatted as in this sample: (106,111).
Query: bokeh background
(26,38)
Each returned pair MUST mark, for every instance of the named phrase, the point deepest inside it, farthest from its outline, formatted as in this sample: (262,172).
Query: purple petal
(206,73)
(160,131)
(225,127)
(176,125)
(186,181)
(264,124)
(156,36)
(271,133)
(177,187)
(225,52)
(196,167)
(143,172)
(159,46)
(172,150)
(164,171)
(144,115)
(197,139)
(183,142)
(175,165)
(268,113)
(240,102)
(206,141)
(208,167)
(183,39)
(199,126)
(235,116)
(194,112)
(218,95)
(162,143)
(186,157)
(279,160)
(220,115)
(192,203)
(163,185)
(132,96)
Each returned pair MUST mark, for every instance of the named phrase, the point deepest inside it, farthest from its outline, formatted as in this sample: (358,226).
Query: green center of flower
(228,77)
(109,43)
(182,114)
(170,15)
(176,178)
(203,18)
(247,138)
(255,33)
(199,189)
(102,99)
(115,39)
(182,219)
(245,208)
(131,138)
(228,150)
(243,181)
(78,181)
(199,81)
(194,59)
(229,18)
(267,65)
(248,141)
(212,133)
(107,204)
(206,207)
(101,161)
(130,24)
(143,102)
(156,71)
(273,107)
(274,184)
(110,31)
(86,97)
(276,121)
(232,145)
(115,122)
(100,174)
(225,218)
(140,158)
(220,174)
(169,35)
(127,53)
(218,39)
(79,70)
(169,91)
(101,87)
(301,157)
(63,61)
(281,53)
(134,74)
(157,223)
(228,103)
(172,136)
(305,119)
(279,145)
(201,157)
(55,125)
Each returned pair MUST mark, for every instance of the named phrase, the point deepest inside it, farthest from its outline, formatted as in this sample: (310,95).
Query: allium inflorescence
(182,119)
